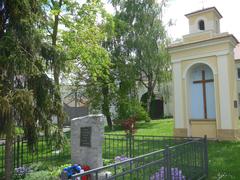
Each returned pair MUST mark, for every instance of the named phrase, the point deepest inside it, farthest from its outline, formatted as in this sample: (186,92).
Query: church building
(205,97)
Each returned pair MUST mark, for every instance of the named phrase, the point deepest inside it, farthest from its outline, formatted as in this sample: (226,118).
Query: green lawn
(224,160)
(153,128)
(224,157)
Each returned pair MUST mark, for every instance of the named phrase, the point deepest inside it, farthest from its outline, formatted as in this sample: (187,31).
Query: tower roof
(205,10)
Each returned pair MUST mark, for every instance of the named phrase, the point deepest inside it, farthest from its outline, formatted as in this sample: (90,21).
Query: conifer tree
(26,91)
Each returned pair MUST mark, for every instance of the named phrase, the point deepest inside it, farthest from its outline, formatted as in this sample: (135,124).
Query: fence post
(127,149)
(18,150)
(130,145)
(167,168)
(205,155)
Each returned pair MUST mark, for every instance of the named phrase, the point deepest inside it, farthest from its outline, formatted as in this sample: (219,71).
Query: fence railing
(136,145)
(43,151)
(188,160)
(184,155)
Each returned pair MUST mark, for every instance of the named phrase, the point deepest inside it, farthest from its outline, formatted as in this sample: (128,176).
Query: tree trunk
(149,100)
(9,150)
(56,68)
(9,128)
(106,105)
(149,94)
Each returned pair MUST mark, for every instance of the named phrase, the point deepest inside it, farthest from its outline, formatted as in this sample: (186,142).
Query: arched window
(201,25)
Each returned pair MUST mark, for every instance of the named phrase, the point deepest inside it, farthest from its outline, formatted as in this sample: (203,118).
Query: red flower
(86,168)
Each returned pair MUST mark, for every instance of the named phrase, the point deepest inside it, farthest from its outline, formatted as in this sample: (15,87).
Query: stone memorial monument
(87,135)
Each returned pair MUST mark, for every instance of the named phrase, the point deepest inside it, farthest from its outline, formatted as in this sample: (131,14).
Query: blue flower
(71,170)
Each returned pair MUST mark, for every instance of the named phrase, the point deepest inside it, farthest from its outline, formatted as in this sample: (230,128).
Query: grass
(154,128)
(224,160)
(44,153)
(224,156)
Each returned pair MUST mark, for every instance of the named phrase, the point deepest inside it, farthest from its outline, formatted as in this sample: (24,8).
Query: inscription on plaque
(85,136)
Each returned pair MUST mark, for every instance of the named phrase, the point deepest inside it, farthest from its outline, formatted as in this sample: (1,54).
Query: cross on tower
(203,82)
(203,4)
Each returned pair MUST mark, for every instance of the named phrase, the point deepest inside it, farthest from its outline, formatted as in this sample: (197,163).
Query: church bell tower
(204,20)
(204,79)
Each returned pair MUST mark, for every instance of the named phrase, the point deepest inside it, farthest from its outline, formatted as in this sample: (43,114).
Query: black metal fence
(188,160)
(147,156)
(132,146)
(45,150)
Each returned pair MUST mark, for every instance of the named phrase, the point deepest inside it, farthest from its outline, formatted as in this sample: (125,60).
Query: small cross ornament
(203,3)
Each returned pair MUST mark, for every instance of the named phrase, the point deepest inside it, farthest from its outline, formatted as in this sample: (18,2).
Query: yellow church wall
(228,134)
(237,64)
(180,132)
(214,49)
(198,51)
(194,18)
(217,100)
(213,128)
(197,37)
(212,62)
(232,85)
(233,89)
(211,21)
(200,127)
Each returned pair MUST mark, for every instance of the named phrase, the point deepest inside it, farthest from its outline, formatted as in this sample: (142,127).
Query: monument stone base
(87,135)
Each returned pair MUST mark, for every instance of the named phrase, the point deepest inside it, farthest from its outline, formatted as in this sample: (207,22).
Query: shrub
(142,115)
(132,109)
(38,166)
(57,171)
(107,162)
(21,172)
(41,171)
(129,126)
(44,175)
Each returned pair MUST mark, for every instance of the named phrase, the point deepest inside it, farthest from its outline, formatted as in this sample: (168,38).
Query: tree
(90,60)
(26,92)
(123,70)
(57,13)
(146,42)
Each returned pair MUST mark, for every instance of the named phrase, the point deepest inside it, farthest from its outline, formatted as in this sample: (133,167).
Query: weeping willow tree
(145,42)
(26,92)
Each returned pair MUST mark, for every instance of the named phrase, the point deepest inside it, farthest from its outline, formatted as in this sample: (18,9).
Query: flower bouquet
(75,169)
